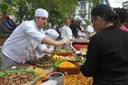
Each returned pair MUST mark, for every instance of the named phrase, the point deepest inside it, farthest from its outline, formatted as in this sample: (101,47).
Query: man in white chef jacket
(14,47)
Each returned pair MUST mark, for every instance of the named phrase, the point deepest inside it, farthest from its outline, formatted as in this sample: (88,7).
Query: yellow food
(67,64)
(56,58)
(77,79)
(83,51)
(39,71)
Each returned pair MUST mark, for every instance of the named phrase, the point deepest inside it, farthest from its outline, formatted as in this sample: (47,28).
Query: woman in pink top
(125,24)
(124,27)
(122,18)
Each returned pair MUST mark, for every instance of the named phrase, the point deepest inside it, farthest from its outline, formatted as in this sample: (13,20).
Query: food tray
(8,72)
(44,62)
(78,46)
(67,54)
(67,70)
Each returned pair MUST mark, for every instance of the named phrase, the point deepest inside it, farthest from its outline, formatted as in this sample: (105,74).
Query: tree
(5,8)
(24,9)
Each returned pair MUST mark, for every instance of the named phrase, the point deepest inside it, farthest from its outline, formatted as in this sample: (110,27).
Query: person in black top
(107,55)
(75,26)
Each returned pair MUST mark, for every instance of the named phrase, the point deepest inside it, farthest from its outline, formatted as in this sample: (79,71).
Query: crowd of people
(107,55)
(30,41)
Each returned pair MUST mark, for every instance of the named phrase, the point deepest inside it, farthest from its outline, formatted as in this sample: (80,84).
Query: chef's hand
(74,40)
(64,42)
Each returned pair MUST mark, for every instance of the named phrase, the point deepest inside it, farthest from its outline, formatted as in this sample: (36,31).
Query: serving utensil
(72,46)
(78,53)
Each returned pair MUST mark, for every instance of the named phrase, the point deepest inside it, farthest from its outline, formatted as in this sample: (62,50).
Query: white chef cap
(78,19)
(83,22)
(41,12)
(52,33)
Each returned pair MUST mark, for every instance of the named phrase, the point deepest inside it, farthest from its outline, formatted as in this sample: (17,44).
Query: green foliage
(60,9)
(24,9)
(5,8)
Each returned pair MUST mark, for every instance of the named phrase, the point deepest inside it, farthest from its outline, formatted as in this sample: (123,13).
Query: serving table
(72,79)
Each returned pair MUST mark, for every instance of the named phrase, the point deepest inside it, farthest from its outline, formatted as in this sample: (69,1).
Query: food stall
(36,72)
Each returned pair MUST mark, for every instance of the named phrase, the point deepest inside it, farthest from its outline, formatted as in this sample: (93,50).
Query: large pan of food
(67,67)
(44,62)
(18,77)
(64,51)
(74,58)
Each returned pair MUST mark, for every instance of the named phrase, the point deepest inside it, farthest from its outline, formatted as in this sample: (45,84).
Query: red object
(78,46)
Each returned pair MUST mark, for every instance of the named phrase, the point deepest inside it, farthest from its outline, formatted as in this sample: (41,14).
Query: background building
(85,7)
(125,5)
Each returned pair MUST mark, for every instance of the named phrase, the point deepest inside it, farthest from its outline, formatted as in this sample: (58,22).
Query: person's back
(111,57)
(113,69)
(107,55)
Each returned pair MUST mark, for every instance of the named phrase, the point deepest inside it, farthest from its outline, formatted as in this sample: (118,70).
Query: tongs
(76,51)
(72,46)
